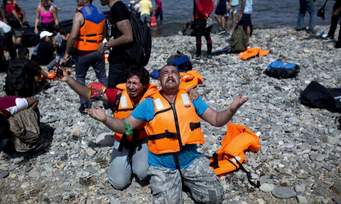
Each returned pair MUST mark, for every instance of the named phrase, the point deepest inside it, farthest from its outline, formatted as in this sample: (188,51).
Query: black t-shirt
(118,12)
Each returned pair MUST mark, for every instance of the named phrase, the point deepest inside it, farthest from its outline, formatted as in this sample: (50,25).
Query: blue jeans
(126,162)
(83,63)
(306,6)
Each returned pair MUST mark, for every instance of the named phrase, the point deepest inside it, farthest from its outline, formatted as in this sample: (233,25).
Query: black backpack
(317,96)
(20,79)
(139,51)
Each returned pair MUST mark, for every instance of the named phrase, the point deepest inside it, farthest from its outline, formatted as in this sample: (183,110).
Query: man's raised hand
(97,113)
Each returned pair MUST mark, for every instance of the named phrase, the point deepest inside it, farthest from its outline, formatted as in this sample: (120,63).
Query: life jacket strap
(163,135)
(214,164)
(194,126)
(165,110)
(248,174)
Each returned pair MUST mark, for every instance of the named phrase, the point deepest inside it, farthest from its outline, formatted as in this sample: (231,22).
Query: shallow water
(267,13)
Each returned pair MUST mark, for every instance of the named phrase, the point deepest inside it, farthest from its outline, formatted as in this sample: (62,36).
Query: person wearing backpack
(202,9)
(86,38)
(121,37)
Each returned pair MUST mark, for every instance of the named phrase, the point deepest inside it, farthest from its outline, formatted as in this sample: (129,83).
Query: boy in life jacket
(86,38)
(129,155)
(173,127)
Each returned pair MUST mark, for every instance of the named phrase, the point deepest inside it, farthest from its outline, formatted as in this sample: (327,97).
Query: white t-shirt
(20,104)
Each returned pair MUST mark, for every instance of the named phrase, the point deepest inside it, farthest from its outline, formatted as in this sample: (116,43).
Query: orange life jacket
(125,107)
(174,125)
(231,154)
(253,52)
(190,80)
(90,34)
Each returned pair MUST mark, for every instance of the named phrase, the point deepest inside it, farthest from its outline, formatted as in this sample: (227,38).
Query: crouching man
(173,127)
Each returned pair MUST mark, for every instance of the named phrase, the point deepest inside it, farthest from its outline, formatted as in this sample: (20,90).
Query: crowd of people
(157,130)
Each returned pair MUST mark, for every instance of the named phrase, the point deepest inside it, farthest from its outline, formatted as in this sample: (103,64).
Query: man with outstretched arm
(173,127)
(129,154)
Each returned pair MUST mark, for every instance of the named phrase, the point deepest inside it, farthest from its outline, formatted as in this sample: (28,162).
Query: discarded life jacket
(173,126)
(253,52)
(282,70)
(190,80)
(91,32)
(125,107)
(229,157)
(317,96)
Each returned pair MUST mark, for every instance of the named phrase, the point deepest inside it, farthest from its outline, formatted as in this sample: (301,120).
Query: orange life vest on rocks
(91,32)
(125,107)
(231,154)
(253,52)
(174,125)
(190,79)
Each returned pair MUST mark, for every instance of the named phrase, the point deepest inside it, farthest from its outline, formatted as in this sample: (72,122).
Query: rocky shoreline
(299,161)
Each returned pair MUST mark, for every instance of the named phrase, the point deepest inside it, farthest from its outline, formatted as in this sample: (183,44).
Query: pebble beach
(300,156)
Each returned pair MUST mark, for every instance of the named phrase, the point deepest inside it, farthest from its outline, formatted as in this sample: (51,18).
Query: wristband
(128,130)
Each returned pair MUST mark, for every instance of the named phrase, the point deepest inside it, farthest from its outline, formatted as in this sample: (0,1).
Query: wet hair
(141,73)
(23,52)
(166,65)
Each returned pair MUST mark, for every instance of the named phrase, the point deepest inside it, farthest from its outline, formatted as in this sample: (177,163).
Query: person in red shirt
(158,12)
(202,9)
(14,14)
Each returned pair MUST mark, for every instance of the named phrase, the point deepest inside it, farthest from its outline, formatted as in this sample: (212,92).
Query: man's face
(134,87)
(104,2)
(169,77)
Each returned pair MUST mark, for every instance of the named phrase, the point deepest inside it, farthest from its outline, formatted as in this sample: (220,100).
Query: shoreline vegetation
(299,161)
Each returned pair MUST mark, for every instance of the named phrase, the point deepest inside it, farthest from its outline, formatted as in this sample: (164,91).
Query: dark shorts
(221,8)
(245,20)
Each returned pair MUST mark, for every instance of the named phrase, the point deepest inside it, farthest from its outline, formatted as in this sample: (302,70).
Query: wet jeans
(306,6)
(83,62)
